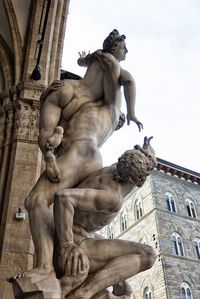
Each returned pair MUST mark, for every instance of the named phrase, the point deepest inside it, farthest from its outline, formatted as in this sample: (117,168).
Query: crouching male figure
(89,264)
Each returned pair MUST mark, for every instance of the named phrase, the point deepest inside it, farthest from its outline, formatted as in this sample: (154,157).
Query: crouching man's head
(135,165)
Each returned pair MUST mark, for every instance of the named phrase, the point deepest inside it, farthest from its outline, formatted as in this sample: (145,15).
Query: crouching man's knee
(148,257)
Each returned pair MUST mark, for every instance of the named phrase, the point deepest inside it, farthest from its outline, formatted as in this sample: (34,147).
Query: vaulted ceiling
(13,19)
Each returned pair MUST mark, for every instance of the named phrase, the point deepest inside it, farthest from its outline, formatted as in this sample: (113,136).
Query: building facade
(164,213)
(31,45)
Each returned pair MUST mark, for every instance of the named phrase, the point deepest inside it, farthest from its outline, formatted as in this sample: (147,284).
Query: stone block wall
(178,269)
(156,227)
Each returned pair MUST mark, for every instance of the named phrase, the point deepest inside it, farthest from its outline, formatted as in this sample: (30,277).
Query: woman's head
(115,44)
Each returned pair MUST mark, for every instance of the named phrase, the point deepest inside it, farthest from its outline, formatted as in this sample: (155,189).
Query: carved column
(7,130)
(7,148)
(2,132)
(24,170)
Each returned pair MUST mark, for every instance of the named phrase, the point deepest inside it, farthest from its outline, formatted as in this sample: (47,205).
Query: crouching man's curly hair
(134,166)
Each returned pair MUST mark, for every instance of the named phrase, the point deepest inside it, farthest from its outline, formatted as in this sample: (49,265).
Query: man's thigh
(101,251)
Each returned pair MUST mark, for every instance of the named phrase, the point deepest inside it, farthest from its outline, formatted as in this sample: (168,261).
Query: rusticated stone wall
(155,227)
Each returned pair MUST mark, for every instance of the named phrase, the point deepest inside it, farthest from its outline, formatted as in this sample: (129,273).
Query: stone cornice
(185,217)
(178,171)
(178,257)
(30,86)
(30,91)
(175,179)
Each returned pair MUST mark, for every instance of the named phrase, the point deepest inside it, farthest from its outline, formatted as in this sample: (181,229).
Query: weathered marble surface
(76,118)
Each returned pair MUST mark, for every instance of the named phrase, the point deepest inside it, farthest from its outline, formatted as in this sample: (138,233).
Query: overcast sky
(163,41)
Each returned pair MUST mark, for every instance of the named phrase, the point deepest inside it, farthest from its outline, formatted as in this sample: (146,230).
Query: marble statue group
(76,118)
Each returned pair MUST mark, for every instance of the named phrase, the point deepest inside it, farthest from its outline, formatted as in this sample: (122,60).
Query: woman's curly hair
(111,42)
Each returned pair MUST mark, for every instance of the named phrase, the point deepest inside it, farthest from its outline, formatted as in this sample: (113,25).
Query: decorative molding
(30,86)
(195,233)
(6,63)
(4,94)
(174,228)
(2,126)
(188,195)
(180,172)
(174,179)
(30,91)
(185,277)
(26,126)
(147,282)
(16,36)
(9,126)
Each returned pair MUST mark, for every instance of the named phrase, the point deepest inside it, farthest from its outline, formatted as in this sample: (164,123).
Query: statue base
(25,288)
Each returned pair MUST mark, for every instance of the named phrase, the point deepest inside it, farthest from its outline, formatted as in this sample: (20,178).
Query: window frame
(170,202)
(110,232)
(147,294)
(190,207)
(123,221)
(138,209)
(177,243)
(197,247)
(187,289)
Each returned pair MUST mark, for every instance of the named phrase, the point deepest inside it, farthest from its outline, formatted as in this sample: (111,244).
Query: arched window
(123,221)
(170,202)
(191,208)
(186,292)
(110,233)
(138,210)
(147,293)
(197,247)
(177,248)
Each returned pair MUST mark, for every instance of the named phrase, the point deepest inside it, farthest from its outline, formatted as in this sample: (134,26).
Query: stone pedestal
(26,288)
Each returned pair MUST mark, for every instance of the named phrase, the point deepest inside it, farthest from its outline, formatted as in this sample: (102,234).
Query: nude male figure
(81,211)
(76,119)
